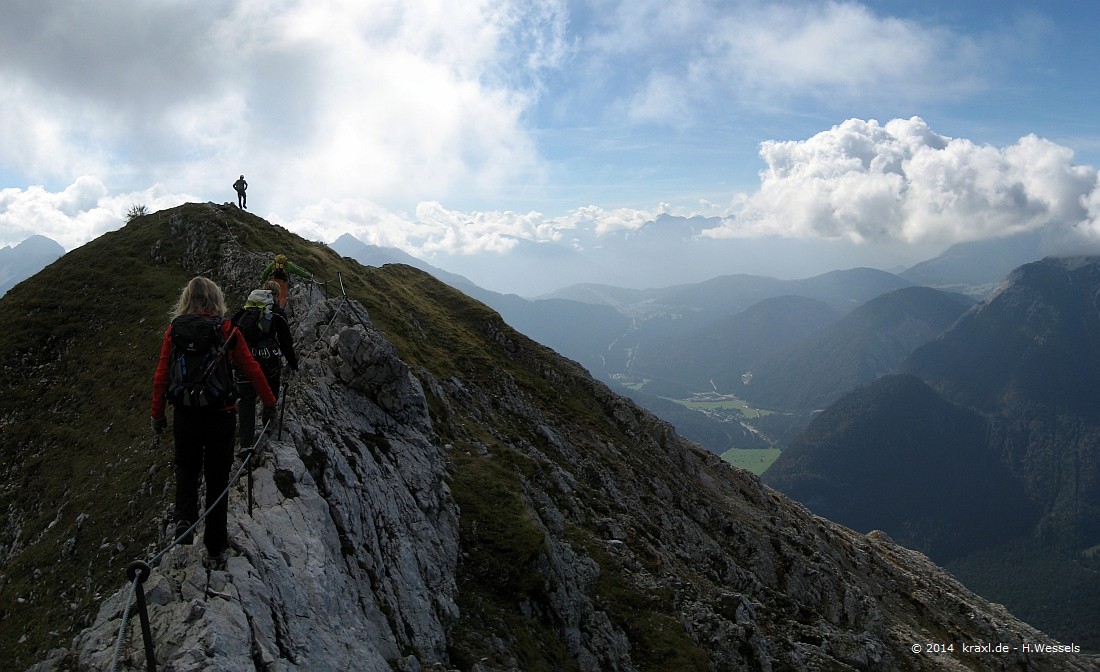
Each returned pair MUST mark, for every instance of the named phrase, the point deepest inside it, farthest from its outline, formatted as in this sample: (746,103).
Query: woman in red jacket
(203,428)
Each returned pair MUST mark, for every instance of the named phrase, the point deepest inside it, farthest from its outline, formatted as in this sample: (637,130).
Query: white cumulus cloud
(865,182)
(82,211)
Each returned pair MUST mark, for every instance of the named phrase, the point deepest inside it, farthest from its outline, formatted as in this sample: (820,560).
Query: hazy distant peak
(348,245)
(38,245)
(25,259)
(977,263)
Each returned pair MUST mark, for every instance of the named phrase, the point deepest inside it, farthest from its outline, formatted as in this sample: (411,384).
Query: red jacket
(240,358)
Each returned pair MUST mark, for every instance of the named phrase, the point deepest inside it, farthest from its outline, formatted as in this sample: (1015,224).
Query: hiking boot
(217,558)
(215,562)
(182,527)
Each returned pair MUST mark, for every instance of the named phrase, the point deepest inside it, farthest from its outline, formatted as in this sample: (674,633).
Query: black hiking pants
(204,447)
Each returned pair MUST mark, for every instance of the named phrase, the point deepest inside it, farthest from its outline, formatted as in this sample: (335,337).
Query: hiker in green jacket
(277,270)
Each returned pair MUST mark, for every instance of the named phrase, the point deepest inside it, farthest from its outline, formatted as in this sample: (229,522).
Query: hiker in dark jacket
(204,434)
(270,344)
(240,186)
(278,270)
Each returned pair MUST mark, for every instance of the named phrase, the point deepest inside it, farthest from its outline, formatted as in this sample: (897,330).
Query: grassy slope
(78,350)
(77,353)
(756,460)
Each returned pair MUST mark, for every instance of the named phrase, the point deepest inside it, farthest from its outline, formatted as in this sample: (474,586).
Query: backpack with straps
(278,268)
(199,376)
(254,321)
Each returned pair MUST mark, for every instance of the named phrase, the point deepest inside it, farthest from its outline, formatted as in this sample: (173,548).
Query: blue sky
(457,127)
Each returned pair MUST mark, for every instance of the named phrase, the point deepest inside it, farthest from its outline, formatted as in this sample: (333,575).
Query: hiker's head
(280,258)
(201,295)
(242,177)
(272,287)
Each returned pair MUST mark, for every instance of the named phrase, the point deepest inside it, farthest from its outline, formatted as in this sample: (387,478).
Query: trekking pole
(282,409)
(249,461)
(138,571)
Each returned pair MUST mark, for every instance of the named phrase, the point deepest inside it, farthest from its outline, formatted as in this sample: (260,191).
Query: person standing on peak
(199,351)
(241,187)
(277,270)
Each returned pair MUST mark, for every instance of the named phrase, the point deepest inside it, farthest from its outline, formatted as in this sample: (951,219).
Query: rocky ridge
(367,546)
(348,559)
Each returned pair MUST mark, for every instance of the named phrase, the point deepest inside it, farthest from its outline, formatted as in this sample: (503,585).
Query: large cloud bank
(866,182)
(860,182)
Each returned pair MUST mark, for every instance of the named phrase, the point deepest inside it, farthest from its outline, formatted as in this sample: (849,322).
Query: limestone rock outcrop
(348,558)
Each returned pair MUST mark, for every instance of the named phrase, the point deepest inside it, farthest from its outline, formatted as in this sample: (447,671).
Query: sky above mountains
(468,127)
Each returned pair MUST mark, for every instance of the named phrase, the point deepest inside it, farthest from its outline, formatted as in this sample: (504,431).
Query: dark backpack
(199,373)
(254,323)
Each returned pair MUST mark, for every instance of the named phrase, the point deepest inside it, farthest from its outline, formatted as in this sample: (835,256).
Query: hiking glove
(268,415)
(158,426)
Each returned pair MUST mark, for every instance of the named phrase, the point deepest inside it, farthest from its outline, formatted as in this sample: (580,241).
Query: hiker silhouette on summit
(240,186)
(265,328)
(193,373)
(277,270)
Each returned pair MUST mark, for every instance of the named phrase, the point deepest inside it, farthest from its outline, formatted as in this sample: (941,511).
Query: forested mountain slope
(1007,408)
(869,342)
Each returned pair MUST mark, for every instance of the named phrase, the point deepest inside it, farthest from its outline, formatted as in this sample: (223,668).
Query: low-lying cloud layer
(860,182)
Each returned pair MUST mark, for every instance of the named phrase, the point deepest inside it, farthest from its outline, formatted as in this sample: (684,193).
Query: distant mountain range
(1037,338)
(666,251)
(983,451)
(649,333)
(348,245)
(25,259)
(869,342)
(642,257)
(757,336)
(624,326)
(976,267)
(671,250)
(719,354)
